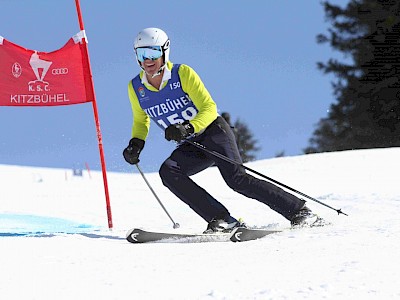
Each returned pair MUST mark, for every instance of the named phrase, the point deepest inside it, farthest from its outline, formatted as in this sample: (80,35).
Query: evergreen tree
(245,141)
(367,89)
(244,138)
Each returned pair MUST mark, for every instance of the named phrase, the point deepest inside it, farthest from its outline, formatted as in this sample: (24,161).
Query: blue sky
(256,58)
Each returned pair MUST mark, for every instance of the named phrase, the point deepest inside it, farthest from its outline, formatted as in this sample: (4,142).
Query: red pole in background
(97,122)
(88,169)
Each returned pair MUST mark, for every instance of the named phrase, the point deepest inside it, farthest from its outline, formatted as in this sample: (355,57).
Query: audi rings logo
(60,71)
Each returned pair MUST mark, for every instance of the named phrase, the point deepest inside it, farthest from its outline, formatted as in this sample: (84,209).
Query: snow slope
(75,256)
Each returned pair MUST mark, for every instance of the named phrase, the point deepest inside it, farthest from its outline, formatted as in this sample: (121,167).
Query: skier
(175,98)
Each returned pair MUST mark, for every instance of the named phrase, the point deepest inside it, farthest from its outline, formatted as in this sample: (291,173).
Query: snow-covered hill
(77,257)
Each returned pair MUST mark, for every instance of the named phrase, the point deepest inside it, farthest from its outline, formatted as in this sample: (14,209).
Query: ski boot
(223,226)
(305,218)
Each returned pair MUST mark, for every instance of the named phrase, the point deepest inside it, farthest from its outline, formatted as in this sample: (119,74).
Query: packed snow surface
(55,242)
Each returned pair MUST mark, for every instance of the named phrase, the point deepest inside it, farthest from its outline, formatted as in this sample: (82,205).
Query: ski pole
(176,225)
(223,157)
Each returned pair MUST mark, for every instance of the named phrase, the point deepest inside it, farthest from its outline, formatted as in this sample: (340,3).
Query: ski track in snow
(75,256)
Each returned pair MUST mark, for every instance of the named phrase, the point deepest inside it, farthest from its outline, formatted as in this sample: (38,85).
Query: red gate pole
(97,122)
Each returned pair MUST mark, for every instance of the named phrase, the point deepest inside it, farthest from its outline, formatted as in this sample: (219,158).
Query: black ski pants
(188,160)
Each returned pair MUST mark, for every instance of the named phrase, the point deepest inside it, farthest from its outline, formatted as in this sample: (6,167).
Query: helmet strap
(159,71)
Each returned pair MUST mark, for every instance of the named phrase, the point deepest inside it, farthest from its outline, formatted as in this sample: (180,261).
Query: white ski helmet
(149,37)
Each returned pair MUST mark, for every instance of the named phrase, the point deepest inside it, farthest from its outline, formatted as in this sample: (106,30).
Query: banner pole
(97,122)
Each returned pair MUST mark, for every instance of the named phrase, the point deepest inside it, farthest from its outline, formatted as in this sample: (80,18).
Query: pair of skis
(241,234)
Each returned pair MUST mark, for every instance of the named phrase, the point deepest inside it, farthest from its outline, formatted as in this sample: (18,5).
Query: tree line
(366,112)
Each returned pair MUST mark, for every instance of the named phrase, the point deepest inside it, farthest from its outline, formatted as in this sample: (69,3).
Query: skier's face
(151,67)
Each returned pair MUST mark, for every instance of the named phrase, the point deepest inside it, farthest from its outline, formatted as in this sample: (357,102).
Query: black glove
(179,132)
(131,153)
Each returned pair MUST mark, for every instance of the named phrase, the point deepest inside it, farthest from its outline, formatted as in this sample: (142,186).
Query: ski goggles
(151,52)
